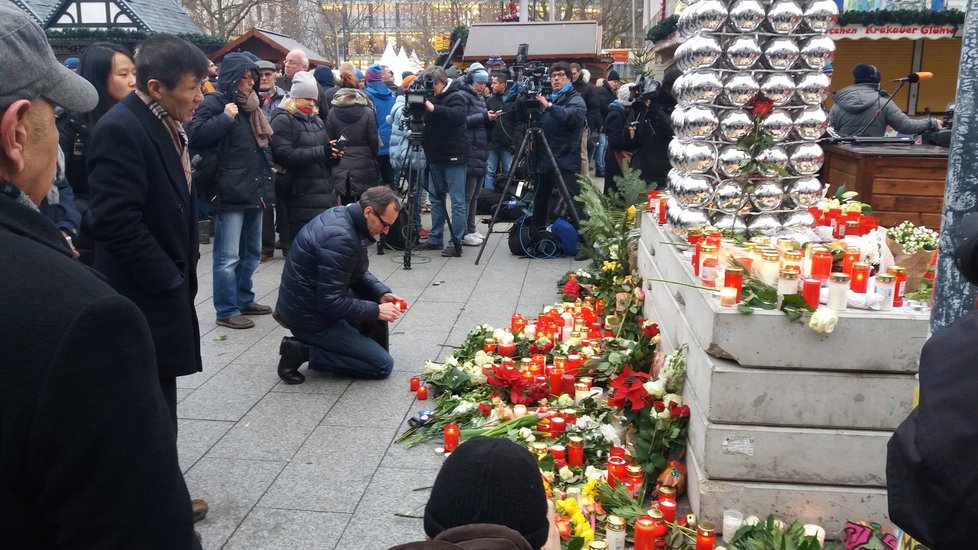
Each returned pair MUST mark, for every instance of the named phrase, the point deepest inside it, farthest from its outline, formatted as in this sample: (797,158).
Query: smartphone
(340,143)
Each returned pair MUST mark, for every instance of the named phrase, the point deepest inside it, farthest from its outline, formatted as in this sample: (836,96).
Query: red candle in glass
(663,200)
(540,380)
(617,451)
(401,304)
(653,198)
(733,277)
(714,238)
(573,363)
(599,306)
(570,415)
(849,257)
(422,393)
(506,349)
(810,291)
(667,503)
(451,437)
(705,536)
(860,277)
(834,216)
(555,376)
(507,363)
(415,383)
(696,257)
(513,320)
(901,284)
(544,426)
(540,360)
(520,325)
(644,533)
(557,425)
(821,264)
(567,384)
(616,470)
(575,451)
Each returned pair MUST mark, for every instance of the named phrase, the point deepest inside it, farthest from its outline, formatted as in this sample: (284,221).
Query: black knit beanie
(865,74)
(489,480)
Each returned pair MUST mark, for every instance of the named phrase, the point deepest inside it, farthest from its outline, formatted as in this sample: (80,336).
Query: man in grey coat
(862,110)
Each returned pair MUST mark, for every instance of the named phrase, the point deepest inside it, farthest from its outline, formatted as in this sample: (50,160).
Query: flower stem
(667,281)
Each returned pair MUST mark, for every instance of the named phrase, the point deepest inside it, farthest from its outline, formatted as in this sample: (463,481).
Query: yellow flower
(577,518)
(609,266)
(588,534)
(630,214)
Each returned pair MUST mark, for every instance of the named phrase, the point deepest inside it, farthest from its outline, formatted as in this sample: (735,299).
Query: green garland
(667,26)
(460,32)
(120,35)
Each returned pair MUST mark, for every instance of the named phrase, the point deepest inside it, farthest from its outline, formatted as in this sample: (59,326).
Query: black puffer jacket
(326,271)
(616,128)
(651,141)
(351,115)
(562,124)
(604,96)
(299,146)
(503,133)
(244,171)
(446,139)
(476,121)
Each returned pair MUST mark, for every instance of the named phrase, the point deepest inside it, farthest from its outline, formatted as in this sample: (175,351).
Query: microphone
(916,77)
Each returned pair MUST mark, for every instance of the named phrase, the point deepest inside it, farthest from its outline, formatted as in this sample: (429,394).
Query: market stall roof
(268,45)
(579,40)
(143,15)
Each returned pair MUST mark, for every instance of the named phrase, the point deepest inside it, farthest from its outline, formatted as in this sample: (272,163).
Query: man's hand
(389,312)
(389,298)
(543,102)
(428,106)
(631,132)
(71,245)
(337,153)
(492,115)
(231,110)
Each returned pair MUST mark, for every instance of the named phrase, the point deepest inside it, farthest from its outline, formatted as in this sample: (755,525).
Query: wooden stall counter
(901,182)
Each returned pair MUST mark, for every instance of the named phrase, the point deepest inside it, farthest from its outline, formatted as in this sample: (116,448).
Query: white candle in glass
(731,522)
(530,331)
(728,296)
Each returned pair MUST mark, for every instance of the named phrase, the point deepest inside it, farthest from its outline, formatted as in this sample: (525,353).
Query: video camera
(645,89)
(532,80)
(419,92)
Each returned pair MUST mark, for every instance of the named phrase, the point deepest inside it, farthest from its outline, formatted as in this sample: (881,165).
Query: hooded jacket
(350,115)
(244,170)
(476,121)
(326,271)
(855,107)
(383,100)
(562,123)
(616,128)
(652,139)
(446,138)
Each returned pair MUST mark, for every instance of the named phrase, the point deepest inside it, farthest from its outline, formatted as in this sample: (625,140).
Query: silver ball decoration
(784,16)
(813,88)
(811,123)
(798,221)
(746,15)
(698,123)
(729,222)
(698,157)
(818,52)
(821,15)
(775,156)
(779,88)
(734,125)
(677,119)
(743,52)
(781,53)
(699,52)
(740,89)
(692,190)
(699,88)
(805,192)
(690,218)
(766,224)
(730,160)
(778,124)
(729,196)
(807,159)
(767,195)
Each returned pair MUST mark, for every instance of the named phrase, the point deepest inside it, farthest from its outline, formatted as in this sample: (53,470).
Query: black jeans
(546,185)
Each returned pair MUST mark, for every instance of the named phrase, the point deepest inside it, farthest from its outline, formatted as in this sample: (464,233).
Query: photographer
(562,121)
(651,130)
(446,146)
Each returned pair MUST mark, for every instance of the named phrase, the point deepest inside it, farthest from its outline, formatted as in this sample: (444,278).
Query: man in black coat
(604,95)
(503,133)
(88,457)
(337,310)
(586,90)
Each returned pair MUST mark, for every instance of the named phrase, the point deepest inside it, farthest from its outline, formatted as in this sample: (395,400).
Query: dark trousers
(169,388)
(386,170)
(345,349)
(546,185)
(268,231)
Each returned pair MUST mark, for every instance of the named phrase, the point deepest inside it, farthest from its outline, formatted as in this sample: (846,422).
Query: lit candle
(539,360)
(644,533)
(587,381)
(514,321)
(560,361)
(519,411)
(733,277)
(575,451)
(555,377)
(821,264)
(663,201)
(616,470)
(667,503)
(885,287)
(787,282)
(616,451)
(769,267)
(838,291)
(489,345)
(402,304)
(567,384)
(573,363)
(849,257)
(415,383)
(901,284)
(810,291)
(728,297)
(791,261)
(422,393)
(451,437)
(557,425)
(705,536)
(816,531)
(860,277)
(506,348)
(530,331)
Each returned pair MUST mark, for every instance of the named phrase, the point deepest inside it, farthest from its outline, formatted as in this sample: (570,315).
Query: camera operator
(651,130)
(562,121)
(446,146)
(863,110)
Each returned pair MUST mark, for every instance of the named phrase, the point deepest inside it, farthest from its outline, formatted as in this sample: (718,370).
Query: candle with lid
(733,277)
(787,282)
(663,200)
(850,257)
(614,528)
(821,264)
(555,378)
(886,287)
(900,285)
(810,291)
(667,503)
(539,448)
(616,470)
(791,261)
(645,533)
(708,251)
(784,244)
(489,345)
(573,363)
(451,437)
(838,291)
(575,451)
(705,536)
(860,277)
(769,267)
(636,478)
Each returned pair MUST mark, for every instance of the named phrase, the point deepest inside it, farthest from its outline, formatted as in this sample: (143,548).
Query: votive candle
(575,451)
(422,393)
(728,297)
(900,287)
(838,291)
(451,437)
(489,345)
(616,470)
(733,277)
(645,533)
(506,349)
(850,257)
(860,277)
(557,425)
(886,287)
(810,291)
(667,503)
(787,282)
(705,536)
(821,264)
(415,383)
(567,384)
(555,377)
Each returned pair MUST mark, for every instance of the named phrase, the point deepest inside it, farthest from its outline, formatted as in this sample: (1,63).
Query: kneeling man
(336,309)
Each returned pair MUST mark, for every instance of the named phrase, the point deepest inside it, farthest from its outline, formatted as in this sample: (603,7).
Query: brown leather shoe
(238,321)
(199,507)
(256,309)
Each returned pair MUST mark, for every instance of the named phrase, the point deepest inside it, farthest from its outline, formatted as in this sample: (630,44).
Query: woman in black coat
(619,141)
(300,148)
(351,116)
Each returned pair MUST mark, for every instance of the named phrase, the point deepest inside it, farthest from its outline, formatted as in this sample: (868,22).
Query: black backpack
(526,240)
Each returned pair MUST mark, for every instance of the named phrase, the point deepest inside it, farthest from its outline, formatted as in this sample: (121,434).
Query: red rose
(684,410)
(572,290)
(659,406)
(762,107)
(673,405)
(485,409)
(650,331)
(674,412)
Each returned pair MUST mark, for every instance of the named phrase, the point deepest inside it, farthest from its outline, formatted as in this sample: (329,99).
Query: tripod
(534,141)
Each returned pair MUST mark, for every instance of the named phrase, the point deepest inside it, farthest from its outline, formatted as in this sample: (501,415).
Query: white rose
(587,352)
(610,434)
(656,388)
(431,368)
(481,360)
(549,476)
(464,407)
(498,334)
(593,473)
(526,434)
(565,401)
(451,361)
(823,320)
(566,474)
(752,520)
(672,398)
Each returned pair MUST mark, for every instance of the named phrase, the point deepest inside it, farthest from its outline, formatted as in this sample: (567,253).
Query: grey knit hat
(304,86)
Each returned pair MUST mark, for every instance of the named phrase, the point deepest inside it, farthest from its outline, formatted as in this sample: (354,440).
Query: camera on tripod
(532,80)
(419,92)
(645,89)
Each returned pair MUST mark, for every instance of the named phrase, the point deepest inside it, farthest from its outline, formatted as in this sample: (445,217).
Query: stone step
(862,341)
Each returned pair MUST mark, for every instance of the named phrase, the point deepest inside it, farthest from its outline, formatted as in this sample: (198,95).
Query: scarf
(305,110)
(259,124)
(175,129)
(8,190)
(559,93)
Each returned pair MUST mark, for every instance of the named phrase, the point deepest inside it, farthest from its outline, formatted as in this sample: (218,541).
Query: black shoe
(451,251)
(428,245)
(599,174)
(294,353)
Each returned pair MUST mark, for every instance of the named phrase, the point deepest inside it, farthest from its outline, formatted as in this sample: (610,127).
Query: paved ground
(315,465)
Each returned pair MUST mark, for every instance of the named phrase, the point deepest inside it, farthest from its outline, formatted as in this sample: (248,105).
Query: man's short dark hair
(500,75)
(379,198)
(437,74)
(166,58)
(573,66)
(562,66)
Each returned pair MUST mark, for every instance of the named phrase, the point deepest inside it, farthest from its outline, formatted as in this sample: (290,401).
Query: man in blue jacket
(336,309)
(383,100)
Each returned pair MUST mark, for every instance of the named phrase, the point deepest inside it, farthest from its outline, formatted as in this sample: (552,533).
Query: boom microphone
(917,77)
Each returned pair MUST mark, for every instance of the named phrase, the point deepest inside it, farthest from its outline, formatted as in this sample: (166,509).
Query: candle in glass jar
(514,321)
(901,284)
(728,296)
(707,252)
(852,229)
(810,291)
(850,257)
(555,377)
(667,503)
(570,415)
(580,392)
(422,393)
(567,384)
(616,451)
(451,437)
(838,291)
(530,330)
(519,411)
(708,272)
(784,244)
(489,345)
(587,381)
(573,363)
(653,203)
(821,264)
(506,349)
(614,530)
(415,383)
(663,200)
(769,267)
(645,533)
(705,536)
(860,277)
(791,261)
(733,277)
(616,470)
(575,451)
(787,282)
(635,479)
(557,425)
(886,288)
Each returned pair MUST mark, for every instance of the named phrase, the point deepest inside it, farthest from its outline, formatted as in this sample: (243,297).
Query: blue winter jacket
(383,100)
(477,122)
(562,124)
(399,139)
(325,277)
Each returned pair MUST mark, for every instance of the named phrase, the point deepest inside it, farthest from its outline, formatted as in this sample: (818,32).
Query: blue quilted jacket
(326,278)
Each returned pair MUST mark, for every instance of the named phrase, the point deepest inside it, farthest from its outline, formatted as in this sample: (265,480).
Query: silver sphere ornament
(729,222)
(710,15)
(821,15)
(798,221)
(774,156)
(698,157)
(700,88)
(740,89)
(703,52)
(729,196)
(781,53)
(675,153)
(813,88)
(690,218)
(692,191)
(677,118)
(784,16)
(734,125)
(778,124)
(746,15)
(743,52)
(673,210)
(811,123)
(779,88)
(805,192)
(730,161)
(699,123)
(766,224)
(807,159)
(818,52)
(767,195)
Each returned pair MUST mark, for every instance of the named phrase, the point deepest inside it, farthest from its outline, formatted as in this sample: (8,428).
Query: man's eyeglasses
(386,225)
